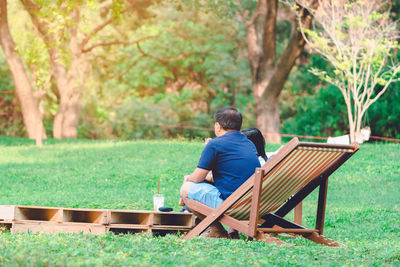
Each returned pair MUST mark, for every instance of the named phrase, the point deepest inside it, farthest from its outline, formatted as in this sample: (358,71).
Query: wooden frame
(275,222)
(95,221)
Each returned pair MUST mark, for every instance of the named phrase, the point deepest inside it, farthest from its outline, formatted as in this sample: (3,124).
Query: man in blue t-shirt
(231,158)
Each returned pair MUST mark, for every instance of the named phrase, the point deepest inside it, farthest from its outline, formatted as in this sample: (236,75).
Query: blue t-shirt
(232,158)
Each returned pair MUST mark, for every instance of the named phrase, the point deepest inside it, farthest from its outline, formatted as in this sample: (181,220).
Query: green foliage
(358,39)
(6,81)
(362,206)
(181,76)
(11,123)
(384,115)
(221,8)
(145,118)
(185,50)
(195,63)
(322,113)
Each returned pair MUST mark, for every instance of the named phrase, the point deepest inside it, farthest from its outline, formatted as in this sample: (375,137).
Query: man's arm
(198,175)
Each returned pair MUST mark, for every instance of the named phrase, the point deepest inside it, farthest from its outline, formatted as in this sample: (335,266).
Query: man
(231,157)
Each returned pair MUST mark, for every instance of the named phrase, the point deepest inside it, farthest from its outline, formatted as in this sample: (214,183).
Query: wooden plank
(268,239)
(323,190)
(286,230)
(54,220)
(28,213)
(320,239)
(241,226)
(303,193)
(171,219)
(255,202)
(298,213)
(353,146)
(53,228)
(7,212)
(130,217)
(272,219)
(85,216)
(171,227)
(173,213)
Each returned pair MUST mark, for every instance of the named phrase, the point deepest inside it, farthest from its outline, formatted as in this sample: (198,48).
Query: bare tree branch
(123,42)
(166,60)
(100,27)
(242,14)
(127,69)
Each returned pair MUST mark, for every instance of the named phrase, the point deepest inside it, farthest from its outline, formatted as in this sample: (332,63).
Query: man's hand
(197,176)
(207,140)
(209,178)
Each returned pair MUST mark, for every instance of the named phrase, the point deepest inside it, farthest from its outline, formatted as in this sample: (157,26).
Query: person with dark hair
(255,136)
(232,159)
(228,118)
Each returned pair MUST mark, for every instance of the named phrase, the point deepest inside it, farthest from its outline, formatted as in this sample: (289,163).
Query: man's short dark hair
(229,118)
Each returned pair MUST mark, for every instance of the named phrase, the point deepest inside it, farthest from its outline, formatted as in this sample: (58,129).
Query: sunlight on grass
(362,209)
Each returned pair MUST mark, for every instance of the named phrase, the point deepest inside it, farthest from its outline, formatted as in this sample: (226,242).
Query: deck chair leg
(298,213)
(323,189)
(255,203)
(261,236)
(320,239)
(200,228)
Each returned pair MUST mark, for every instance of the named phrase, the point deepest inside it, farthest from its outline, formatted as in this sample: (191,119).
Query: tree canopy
(160,69)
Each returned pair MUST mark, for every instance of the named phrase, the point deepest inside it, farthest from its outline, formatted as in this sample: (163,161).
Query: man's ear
(217,128)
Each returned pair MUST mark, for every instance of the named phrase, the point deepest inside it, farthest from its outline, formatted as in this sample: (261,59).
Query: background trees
(152,64)
(30,111)
(358,39)
(269,73)
(67,28)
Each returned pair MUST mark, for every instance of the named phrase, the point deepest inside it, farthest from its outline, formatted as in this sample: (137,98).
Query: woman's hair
(255,136)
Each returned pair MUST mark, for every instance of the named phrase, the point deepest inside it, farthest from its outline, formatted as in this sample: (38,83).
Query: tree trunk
(68,79)
(267,119)
(65,124)
(350,117)
(352,130)
(30,111)
(269,77)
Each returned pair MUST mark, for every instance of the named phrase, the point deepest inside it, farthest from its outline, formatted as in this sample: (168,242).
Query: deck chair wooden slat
(281,184)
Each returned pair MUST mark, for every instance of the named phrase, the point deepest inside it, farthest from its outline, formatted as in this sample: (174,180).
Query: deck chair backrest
(305,162)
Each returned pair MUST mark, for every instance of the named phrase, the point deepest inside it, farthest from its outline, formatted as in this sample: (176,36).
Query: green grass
(363,209)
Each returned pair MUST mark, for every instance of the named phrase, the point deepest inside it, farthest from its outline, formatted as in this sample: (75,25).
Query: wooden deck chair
(259,205)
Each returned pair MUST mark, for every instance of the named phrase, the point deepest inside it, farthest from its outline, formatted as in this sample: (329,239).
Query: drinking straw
(158,187)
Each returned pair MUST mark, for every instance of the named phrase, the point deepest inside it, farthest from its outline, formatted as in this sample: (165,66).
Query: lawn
(363,206)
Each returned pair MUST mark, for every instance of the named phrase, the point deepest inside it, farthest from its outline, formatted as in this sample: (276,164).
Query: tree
(67,33)
(30,111)
(69,76)
(268,72)
(358,38)
(171,79)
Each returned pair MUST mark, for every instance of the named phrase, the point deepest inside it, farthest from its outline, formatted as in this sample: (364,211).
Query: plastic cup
(158,201)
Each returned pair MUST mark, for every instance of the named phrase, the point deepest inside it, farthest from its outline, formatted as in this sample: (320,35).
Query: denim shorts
(205,193)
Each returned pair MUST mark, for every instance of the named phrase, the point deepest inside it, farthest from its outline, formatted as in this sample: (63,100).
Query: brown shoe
(233,234)
(215,230)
